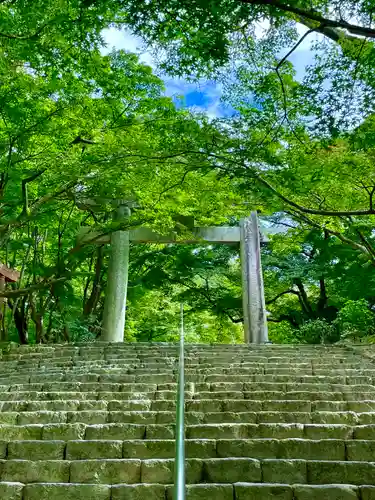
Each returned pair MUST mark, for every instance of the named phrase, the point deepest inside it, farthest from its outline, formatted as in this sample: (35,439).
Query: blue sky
(205,96)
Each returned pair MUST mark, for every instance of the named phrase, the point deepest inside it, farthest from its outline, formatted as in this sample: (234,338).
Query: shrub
(355,320)
(83,329)
(318,331)
(282,333)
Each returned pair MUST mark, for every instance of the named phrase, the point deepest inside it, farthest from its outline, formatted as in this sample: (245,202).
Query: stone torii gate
(247,234)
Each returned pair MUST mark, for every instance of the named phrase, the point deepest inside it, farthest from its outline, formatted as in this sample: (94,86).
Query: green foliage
(77,126)
(355,320)
(282,333)
(155,317)
(80,329)
(205,277)
(317,331)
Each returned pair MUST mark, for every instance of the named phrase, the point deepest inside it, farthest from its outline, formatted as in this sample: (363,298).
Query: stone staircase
(96,421)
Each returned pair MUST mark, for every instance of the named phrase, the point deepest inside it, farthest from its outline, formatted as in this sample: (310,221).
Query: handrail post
(179,483)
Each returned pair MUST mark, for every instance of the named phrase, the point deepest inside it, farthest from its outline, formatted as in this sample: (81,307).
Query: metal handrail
(179,472)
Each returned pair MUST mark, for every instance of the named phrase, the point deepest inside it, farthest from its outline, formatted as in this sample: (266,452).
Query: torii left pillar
(117,283)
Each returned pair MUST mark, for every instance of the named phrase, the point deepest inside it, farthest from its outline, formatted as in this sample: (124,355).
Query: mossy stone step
(97,421)
(191,417)
(209,470)
(238,491)
(329,449)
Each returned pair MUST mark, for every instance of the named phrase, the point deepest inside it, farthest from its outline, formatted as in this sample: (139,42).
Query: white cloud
(303,56)
(209,92)
(176,87)
(213,107)
(125,40)
(261,28)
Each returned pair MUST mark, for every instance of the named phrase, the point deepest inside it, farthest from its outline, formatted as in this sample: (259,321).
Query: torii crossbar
(247,234)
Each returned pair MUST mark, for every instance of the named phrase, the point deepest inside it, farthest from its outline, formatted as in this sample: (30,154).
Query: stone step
(192,417)
(160,346)
(305,449)
(237,491)
(201,388)
(200,406)
(209,351)
(208,470)
(354,395)
(274,416)
(131,379)
(234,369)
(118,431)
(237,390)
(212,369)
(192,359)
(87,354)
(68,377)
(194,362)
(268,430)
(202,383)
(263,395)
(190,362)
(192,388)
(242,373)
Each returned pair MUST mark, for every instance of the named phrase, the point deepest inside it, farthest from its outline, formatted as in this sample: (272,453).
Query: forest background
(79,121)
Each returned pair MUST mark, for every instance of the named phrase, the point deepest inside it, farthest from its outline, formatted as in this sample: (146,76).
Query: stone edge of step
(236,491)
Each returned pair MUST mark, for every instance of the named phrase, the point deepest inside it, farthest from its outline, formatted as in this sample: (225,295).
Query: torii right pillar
(254,307)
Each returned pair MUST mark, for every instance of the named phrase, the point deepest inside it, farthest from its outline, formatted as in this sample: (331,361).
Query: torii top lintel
(215,234)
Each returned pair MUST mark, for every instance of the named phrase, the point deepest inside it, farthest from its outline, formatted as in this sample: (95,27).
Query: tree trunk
(20,320)
(306,307)
(50,322)
(37,317)
(323,298)
(90,305)
(2,310)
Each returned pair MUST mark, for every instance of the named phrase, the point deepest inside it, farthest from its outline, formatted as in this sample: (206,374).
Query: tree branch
(285,106)
(280,295)
(353,244)
(24,37)
(26,291)
(22,218)
(313,15)
(312,211)
(25,192)
(284,317)
(303,298)
(371,198)
(334,34)
(364,240)
(281,62)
